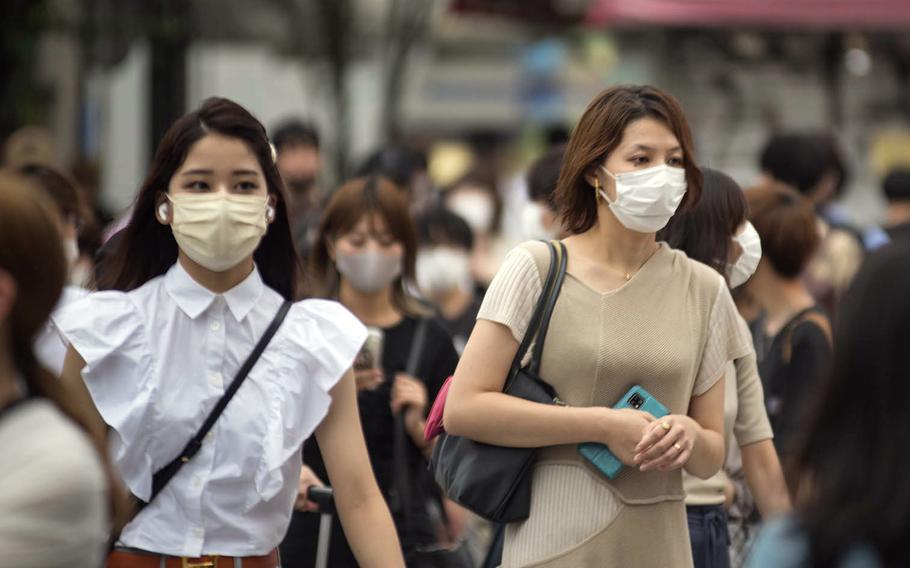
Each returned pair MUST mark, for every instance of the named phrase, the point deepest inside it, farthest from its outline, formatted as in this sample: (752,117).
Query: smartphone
(599,454)
(370,356)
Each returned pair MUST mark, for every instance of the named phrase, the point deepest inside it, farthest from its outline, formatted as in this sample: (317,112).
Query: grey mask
(369,271)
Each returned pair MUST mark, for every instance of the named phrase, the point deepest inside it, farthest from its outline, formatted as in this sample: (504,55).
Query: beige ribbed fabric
(671,329)
(745,422)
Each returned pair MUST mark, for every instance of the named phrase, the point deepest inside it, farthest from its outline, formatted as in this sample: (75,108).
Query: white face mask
(370,271)
(744,267)
(646,199)
(475,208)
(532,223)
(218,230)
(443,269)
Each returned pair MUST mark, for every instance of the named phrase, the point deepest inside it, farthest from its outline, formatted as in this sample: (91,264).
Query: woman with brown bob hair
(365,257)
(632,312)
(53,491)
(204,269)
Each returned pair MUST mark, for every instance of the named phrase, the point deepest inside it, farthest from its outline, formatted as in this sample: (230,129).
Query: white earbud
(162,212)
(270,213)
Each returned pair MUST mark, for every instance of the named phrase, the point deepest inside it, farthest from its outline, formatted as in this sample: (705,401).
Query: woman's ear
(163,212)
(270,208)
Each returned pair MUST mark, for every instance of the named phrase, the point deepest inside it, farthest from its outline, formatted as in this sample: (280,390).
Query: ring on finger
(665,425)
(678,447)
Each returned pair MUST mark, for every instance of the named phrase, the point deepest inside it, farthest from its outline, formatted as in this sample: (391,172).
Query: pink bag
(434,425)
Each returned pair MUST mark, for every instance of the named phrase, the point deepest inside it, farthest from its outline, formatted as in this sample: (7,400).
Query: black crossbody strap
(402,485)
(166,473)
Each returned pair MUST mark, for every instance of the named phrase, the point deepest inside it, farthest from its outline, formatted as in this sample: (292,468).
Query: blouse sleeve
(513,294)
(726,341)
(319,340)
(108,333)
(331,335)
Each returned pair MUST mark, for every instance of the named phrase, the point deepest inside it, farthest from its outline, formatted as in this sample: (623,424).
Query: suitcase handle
(324,497)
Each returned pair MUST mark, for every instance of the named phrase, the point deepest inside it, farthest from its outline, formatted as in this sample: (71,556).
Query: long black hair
(705,231)
(146,248)
(853,459)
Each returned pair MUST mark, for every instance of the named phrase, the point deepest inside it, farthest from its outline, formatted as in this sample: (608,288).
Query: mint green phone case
(599,454)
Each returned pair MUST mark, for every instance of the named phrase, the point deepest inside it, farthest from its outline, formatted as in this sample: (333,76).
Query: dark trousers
(709,536)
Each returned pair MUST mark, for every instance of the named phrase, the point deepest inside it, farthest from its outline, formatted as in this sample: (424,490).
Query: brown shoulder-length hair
(146,248)
(599,132)
(351,202)
(785,222)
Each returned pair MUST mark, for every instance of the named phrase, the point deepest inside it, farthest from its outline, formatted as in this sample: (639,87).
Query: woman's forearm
(707,453)
(370,531)
(504,420)
(766,478)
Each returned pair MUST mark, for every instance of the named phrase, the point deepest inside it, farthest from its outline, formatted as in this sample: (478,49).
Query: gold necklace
(628,275)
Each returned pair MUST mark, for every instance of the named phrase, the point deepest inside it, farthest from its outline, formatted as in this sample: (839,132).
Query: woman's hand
(368,379)
(625,429)
(667,443)
(307,479)
(409,394)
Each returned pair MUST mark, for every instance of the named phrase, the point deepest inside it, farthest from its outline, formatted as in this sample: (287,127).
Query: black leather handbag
(494,481)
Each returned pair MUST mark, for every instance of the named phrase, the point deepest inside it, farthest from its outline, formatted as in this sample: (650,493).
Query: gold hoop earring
(596,185)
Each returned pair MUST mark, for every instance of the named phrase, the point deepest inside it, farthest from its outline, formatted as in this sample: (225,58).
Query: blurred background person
(796,329)
(365,257)
(407,169)
(444,272)
(68,210)
(475,199)
(300,162)
(854,496)
(715,232)
(896,188)
(54,504)
(540,218)
(813,165)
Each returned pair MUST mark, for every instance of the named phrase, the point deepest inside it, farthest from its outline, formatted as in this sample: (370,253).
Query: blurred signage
(765,13)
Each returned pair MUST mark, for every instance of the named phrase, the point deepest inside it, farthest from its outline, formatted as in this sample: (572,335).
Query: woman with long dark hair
(853,507)
(198,276)
(632,312)
(53,490)
(365,257)
(717,233)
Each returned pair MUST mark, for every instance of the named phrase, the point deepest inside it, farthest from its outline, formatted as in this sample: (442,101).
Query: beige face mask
(218,230)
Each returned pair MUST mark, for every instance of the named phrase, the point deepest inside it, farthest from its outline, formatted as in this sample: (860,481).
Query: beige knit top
(745,422)
(671,329)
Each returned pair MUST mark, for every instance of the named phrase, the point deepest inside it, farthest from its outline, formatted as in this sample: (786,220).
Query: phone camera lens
(635,401)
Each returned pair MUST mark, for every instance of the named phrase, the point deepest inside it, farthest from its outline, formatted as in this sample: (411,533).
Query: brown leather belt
(124,559)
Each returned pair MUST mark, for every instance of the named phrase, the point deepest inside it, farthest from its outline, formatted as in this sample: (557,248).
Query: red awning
(838,14)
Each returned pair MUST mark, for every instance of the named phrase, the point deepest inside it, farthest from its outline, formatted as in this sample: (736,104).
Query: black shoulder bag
(161,477)
(494,481)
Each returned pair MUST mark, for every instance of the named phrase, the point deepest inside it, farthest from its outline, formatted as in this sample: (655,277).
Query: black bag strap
(161,477)
(400,436)
(537,355)
(540,320)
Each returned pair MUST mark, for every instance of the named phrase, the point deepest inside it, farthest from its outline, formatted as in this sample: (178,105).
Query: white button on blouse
(158,358)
